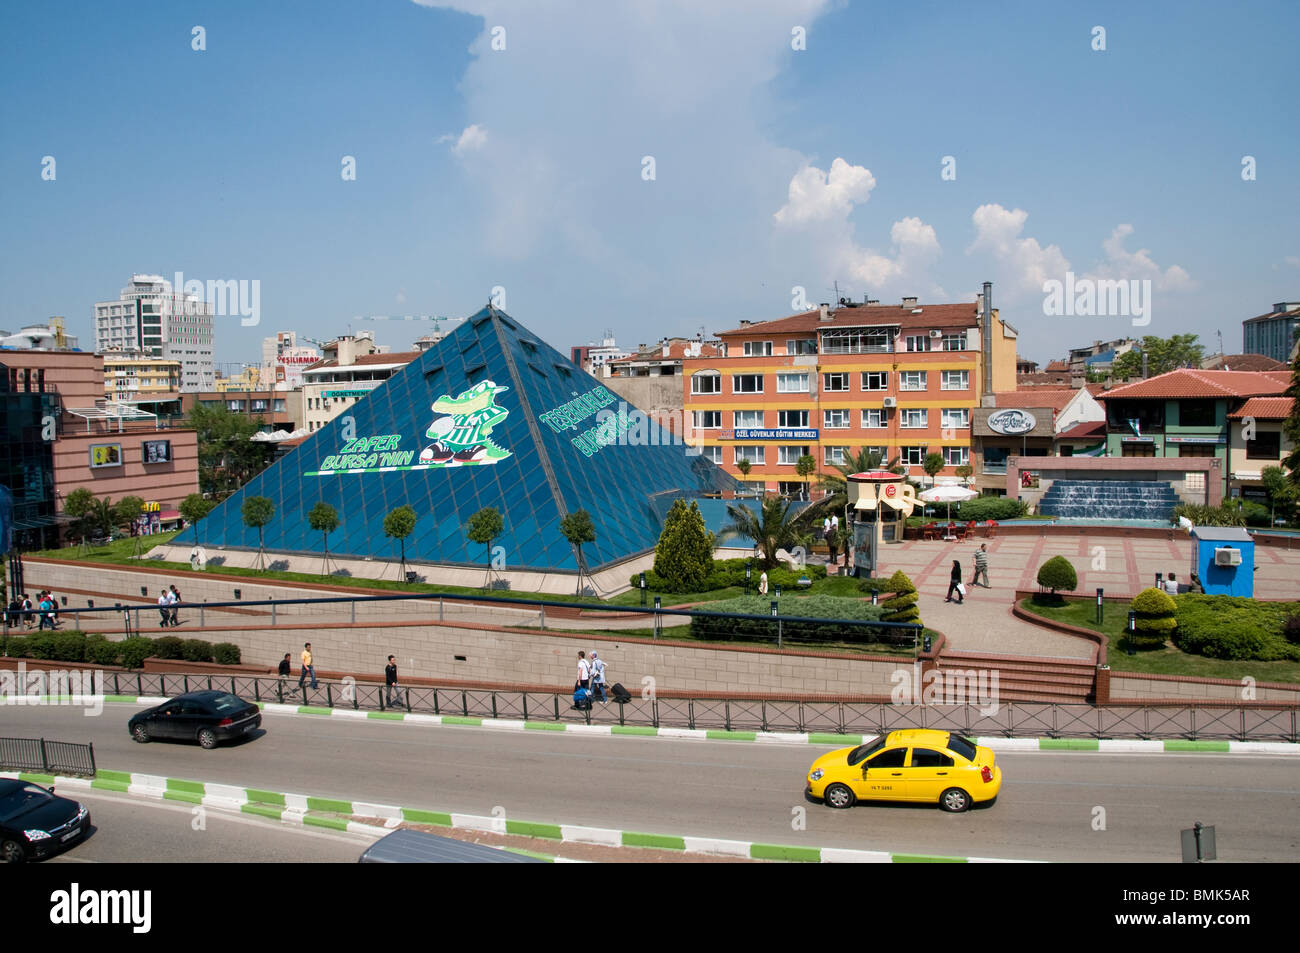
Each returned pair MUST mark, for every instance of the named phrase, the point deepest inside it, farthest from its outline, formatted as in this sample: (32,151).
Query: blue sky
(773,167)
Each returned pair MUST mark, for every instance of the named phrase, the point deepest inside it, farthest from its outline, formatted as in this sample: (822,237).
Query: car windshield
(21,799)
(858,754)
(226,703)
(962,746)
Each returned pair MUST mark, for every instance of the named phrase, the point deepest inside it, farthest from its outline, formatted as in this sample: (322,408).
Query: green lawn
(1163,661)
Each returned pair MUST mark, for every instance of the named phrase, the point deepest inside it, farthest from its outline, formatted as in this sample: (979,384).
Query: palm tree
(772,528)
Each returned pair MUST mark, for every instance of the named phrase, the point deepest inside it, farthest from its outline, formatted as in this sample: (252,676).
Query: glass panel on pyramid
(489,416)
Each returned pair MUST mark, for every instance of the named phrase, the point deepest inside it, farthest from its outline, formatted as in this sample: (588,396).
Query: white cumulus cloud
(997,231)
(471,140)
(1122,263)
(817,196)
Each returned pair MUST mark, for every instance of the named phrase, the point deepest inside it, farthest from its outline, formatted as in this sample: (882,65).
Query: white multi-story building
(152,318)
(353,366)
(283,361)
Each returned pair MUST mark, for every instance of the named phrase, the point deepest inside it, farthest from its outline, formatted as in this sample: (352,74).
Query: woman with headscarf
(955,584)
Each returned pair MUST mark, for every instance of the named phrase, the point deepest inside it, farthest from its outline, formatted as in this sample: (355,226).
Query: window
(752,454)
(792,383)
(911,456)
(801,347)
(956,456)
(889,758)
(748,419)
(712,454)
(758,349)
(954,342)
(1138,450)
(706,382)
(837,419)
(277,405)
(789,456)
(995,460)
(747,383)
(875,417)
(835,382)
(836,455)
(792,488)
(875,380)
(706,419)
(1196,449)
(1265,446)
(792,418)
(926,758)
(1196,413)
(913,417)
(918,342)
(955,380)
(913,380)
(955,418)
(259,406)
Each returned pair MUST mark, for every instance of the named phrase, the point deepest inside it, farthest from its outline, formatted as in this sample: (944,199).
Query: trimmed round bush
(1155,613)
(135,650)
(1058,575)
(168,647)
(196,650)
(901,606)
(100,651)
(226,653)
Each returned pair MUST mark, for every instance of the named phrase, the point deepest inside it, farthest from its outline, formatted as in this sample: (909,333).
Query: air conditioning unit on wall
(1227,556)
(936,333)
(889,402)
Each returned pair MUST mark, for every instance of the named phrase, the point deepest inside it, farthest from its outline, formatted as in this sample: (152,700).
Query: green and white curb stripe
(309,811)
(997,743)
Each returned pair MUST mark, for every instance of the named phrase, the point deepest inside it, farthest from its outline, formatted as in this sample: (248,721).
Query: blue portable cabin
(1225,560)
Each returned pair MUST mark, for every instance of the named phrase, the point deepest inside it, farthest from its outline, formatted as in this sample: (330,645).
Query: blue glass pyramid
(489,416)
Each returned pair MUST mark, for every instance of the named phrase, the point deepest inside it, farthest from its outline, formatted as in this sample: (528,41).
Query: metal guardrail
(47,757)
(1191,722)
(142,618)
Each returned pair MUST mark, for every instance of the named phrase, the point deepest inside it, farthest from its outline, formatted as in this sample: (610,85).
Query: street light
(1100,591)
(748,569)
(1132,631)
(642,590)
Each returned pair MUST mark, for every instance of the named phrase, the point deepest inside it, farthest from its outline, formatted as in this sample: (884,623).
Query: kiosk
(880,502)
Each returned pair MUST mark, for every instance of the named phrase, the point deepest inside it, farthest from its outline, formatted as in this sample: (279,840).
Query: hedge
(196,650)
(1234,627)
(986,508)
(168,647)
(135,650)
(100,651)
(731,572)
(765,628)
(74,646)
(226,653)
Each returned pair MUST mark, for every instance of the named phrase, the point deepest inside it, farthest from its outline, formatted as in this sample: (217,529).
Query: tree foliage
(228,456)
(1057,574)
(194,508)
(901,606)
(398,525)
(1163,355)
(324,519)
(772,528)
(934,462)
(1291,426)
(578,529)
(483,527)
(257,512)
(684,553)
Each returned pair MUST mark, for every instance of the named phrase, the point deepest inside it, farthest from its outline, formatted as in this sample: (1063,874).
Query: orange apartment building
(900,379)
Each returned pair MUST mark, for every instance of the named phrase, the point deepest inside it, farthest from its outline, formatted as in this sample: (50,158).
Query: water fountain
(1109,500)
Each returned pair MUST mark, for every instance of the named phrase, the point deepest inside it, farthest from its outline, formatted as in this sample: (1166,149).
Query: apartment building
(903,380)
(138,378)
(153,318)
(1273,334)
(353,366)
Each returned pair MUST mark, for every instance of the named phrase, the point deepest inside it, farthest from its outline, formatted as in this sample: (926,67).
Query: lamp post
(642,590)
(1100,592)
(1132,631)
(749,568)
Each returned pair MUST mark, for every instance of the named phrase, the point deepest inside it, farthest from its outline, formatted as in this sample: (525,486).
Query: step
(1048,663)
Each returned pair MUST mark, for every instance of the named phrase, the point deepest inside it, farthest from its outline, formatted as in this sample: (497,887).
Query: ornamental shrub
(69,646)
(168,647)
(196,650)
(1234,627)
(226,653)
(1155,613)
(901,606)
(684,553)
(984,508)
(135,650)
(764,628)
(19,646)
(1057,574)
(100,651)
(40,645)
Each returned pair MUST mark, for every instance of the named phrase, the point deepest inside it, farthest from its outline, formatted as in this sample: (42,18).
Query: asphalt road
(128,829)
(1063,806)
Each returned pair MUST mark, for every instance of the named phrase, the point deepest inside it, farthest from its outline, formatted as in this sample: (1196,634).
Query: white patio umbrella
(947,494)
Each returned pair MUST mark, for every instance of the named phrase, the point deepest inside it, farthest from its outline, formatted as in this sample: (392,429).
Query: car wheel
(11,852)
(140,733)
(955,800)
(207,738)
(839,795)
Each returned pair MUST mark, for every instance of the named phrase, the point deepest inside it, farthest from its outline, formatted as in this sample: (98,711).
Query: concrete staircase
(1020,679)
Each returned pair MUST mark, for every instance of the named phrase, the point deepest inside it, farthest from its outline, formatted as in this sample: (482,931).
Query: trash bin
(411,577)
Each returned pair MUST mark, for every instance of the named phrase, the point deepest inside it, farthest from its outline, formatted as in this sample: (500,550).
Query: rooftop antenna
(1220,334)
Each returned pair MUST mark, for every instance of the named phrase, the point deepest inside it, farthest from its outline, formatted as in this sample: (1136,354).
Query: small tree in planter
(965,471)
(578,528)
(901,606)
(805,467)
(257,512)
(1155,620)
(1056,574)
(324,519)
(399,524)
(484,526)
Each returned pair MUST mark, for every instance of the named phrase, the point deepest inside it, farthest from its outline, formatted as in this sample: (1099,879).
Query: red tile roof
(931,316)
(1189,382)
(1035,397)
(677,350)
(1243,362)
(1264,408)
(397,357)
(1057,365)
(1090,428)
(1043,379)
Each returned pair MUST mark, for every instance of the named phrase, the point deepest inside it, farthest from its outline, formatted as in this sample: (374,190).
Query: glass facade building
(27,428)
(489,416)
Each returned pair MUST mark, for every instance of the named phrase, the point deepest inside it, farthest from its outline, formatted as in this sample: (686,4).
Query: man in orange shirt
(307,667)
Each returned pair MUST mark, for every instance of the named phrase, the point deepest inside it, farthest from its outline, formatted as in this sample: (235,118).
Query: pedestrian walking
(584,671)
(47,611)
(286,672)
(835,523)
(598,677)
(164,608)
(28,616)
(175,595)
(390,681)
(981,566)
(307,667)
(955,584)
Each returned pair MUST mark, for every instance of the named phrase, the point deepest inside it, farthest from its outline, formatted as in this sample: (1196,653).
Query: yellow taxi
(918,764)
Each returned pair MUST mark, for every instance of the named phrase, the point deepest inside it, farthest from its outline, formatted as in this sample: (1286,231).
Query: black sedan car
(206,717)
(35,823)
